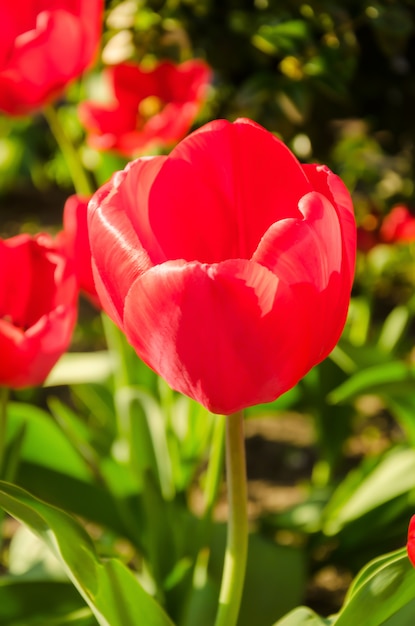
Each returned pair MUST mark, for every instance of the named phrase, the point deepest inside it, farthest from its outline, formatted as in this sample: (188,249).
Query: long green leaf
(382,590)
(360,493)
(393,377)
(109,588)
(44,443)
(303,616)
(25,601)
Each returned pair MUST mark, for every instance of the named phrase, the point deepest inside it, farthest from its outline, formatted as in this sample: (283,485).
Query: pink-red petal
(52,43)
(228,335)
(254,176)
(27,358)
(330,185)
(118,255)
(410,545)
(307,254)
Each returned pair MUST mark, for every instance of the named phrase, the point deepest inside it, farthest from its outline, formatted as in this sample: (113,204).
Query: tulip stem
(237,537)
(215,468)
(79,177)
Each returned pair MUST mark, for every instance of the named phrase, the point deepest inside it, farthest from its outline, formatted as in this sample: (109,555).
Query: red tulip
(410,546)
(38,308)
(227,264)
(74,242)
(43,46)
(398,226)
(150,107)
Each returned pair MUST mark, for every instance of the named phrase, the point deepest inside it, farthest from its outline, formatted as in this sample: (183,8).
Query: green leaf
(394,376)
(109,588)
(30,557)
(92,502)
(146,431)
(402,407)
(368,571)
(14,453)
(392,381)
(303,616)
(44,443)
(384,587)
(285,37)
(393,328)
(75,431)
(360,493)
(270,567)
(30,601)
(404,617)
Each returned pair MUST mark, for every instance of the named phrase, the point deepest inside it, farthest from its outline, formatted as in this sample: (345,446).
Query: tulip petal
(261,183)
(410,545)
(38,308)
(118,255)
(106,122)
(131,83)
(122,126)
(229,335)
(45,59)
(15,252)
(9,27)
(29,356)
(331,186)
(52,44)
(28,299)
(307,254)
(74,242)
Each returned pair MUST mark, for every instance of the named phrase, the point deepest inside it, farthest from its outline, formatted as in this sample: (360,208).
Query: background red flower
(38,308)
(410,546)
(43,46)
(75,244)
(398,226)
(149,108)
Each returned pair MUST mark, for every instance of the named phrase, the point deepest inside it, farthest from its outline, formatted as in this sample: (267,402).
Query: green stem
(4,398)
(214,471)
(79,177)
(237,539)
(115,341)
(212,485)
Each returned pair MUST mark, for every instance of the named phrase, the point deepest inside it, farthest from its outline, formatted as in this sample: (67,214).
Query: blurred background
(335,80)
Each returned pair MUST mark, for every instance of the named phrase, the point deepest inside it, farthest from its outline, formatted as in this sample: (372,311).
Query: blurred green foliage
(335,80)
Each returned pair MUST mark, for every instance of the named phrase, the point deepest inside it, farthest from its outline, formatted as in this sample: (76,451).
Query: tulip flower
(38,309)
(44,45)
(398,226)
(228,264)
(150,108)
(410,546)
(74,242)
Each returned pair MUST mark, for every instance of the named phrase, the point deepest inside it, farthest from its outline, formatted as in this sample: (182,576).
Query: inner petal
(221,189)
(25,300)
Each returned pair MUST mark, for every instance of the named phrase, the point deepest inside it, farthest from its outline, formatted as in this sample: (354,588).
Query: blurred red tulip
(410,546)
(43,46)
(398,226)
(228,264)
(38,309)
(150,107)
(75,244)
